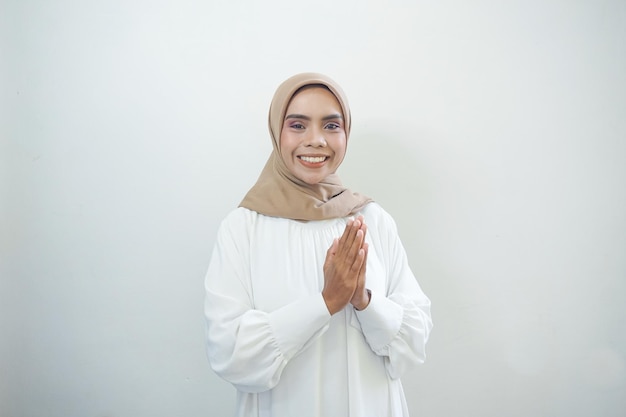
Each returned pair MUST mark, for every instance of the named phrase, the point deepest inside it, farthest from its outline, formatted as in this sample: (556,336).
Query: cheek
(340,147)
(283,147)
(281,142)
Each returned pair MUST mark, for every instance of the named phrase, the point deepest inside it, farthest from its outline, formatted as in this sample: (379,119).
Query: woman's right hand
(344,260)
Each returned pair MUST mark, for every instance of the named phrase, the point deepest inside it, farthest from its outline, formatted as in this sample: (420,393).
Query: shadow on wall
(397,168)
(391,166)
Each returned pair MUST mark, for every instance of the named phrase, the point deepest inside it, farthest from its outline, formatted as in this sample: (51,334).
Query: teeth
(313,159)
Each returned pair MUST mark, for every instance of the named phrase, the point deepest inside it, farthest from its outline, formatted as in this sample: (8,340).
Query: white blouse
(270,334)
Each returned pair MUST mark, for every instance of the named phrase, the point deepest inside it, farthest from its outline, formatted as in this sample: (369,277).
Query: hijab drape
(277,192)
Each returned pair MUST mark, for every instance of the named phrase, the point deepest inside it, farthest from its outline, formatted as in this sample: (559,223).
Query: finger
(330,253)
(346,241)
(350,249)
(333,247)
(357,264)
(361,280)
(364,266)
(357,243)
(364,230)
(346,232)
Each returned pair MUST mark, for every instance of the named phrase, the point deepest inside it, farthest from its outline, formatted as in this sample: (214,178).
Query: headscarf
(277,192)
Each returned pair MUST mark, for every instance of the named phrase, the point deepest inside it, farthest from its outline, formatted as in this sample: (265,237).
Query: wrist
(365,300)
(332,305)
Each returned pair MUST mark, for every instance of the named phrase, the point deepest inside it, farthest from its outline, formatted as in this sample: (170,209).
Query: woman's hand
(344,268)
(361,298)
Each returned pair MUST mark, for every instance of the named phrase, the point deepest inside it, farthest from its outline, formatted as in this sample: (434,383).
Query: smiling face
(313,136)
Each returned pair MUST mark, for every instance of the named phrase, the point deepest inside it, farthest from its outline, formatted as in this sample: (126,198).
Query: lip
(311,163)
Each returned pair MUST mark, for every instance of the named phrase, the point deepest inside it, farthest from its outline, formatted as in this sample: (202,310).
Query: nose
(316,138)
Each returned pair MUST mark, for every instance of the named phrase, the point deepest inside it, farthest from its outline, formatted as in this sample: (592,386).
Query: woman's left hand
(361,298)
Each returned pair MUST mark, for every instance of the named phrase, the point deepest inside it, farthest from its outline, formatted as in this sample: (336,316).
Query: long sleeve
(246,346)
(269,332)
(397,322)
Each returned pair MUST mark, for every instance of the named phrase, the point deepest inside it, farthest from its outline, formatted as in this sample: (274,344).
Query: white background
(493,131)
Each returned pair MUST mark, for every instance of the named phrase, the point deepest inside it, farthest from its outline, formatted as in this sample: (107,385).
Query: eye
(332,126)
(296,125)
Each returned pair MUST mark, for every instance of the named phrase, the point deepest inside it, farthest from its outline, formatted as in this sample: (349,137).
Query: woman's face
(313,138)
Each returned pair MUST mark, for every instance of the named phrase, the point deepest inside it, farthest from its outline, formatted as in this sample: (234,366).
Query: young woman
(311,307)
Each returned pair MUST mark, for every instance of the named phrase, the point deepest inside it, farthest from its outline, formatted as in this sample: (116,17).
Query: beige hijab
(277,192)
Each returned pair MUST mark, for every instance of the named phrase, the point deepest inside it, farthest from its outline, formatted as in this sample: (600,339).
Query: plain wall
(493,131)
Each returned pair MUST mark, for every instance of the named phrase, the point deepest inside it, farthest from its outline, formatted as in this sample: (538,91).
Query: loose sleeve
(248,347)
(396,324)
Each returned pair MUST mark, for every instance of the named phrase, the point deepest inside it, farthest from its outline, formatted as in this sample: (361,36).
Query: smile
(313,159)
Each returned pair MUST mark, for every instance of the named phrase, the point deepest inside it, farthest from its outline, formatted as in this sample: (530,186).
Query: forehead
(311,97)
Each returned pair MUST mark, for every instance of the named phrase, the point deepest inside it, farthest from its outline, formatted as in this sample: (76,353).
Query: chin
(311,180)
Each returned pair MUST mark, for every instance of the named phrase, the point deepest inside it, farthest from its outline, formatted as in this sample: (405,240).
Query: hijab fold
(277,192)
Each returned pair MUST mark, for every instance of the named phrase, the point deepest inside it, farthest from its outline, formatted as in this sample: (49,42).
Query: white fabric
(270,334)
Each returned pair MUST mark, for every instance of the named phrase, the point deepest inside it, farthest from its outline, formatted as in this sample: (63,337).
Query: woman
(311,307)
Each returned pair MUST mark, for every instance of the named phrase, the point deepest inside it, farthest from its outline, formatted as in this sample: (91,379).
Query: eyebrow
(304,117)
